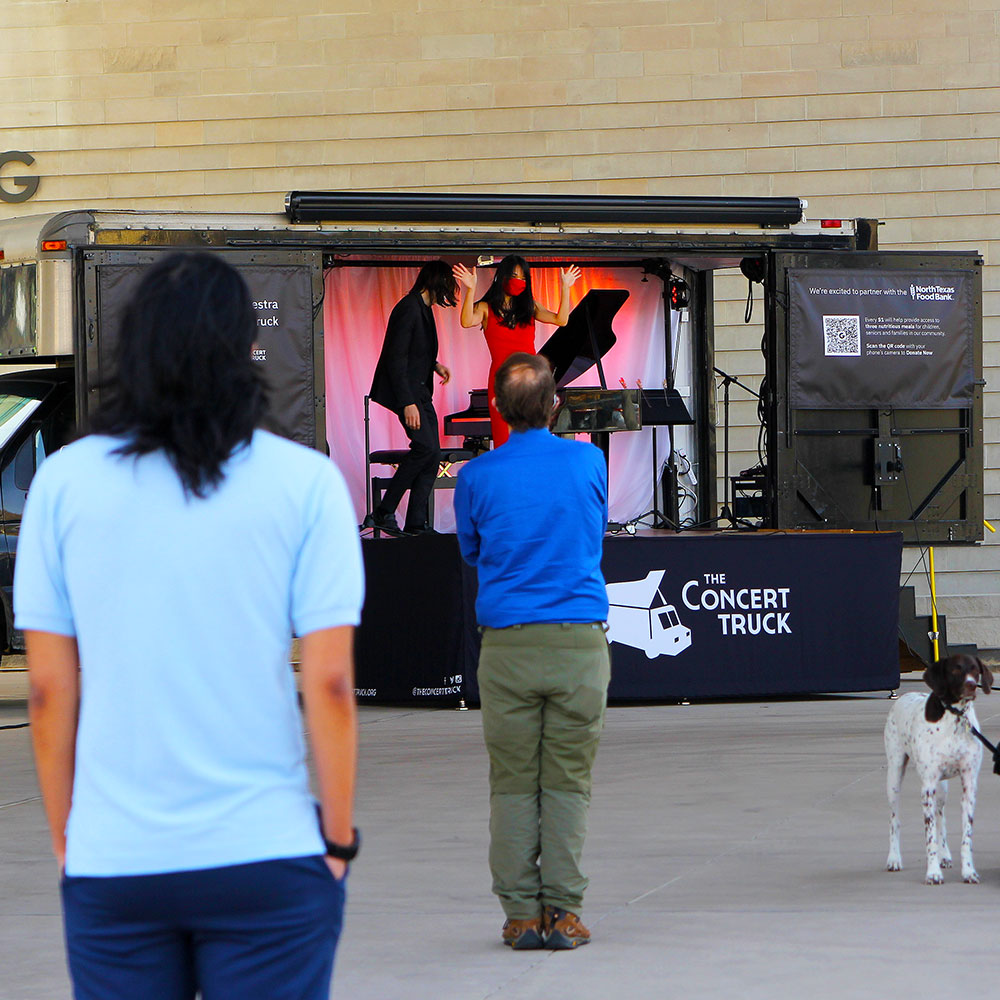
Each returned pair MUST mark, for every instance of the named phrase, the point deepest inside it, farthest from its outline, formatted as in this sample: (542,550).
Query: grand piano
(572,350)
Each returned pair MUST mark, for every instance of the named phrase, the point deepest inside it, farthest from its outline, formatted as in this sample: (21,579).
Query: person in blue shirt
(531,518)
(164,561)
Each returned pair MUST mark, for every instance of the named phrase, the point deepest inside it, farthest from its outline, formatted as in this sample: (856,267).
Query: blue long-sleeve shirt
(531,518)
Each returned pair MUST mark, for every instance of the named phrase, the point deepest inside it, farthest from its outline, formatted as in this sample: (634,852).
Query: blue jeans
(261,931)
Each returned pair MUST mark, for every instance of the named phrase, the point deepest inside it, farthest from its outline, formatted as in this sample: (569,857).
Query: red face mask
(514,286)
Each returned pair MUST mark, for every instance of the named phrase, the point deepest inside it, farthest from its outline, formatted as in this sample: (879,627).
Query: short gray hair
(525,391)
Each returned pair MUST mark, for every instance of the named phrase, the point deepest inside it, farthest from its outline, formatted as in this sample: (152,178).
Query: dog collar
(960,715)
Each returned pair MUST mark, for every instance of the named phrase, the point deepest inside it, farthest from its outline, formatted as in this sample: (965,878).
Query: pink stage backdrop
(357,305)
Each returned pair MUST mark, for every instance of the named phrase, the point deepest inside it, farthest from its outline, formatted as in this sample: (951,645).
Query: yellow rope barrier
(934,623)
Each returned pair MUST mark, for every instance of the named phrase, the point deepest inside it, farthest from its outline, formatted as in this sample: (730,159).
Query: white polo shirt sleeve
(328,578)
(41,600)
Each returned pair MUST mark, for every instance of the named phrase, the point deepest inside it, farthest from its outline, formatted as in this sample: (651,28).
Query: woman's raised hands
(464,276)
(569,275)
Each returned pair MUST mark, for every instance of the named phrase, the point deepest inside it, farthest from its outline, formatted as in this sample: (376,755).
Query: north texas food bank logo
(641,617)
(939,293)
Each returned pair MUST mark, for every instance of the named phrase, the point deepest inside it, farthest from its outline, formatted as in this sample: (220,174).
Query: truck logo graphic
(639,616)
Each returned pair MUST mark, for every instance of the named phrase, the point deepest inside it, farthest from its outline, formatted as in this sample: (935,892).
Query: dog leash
(979,736)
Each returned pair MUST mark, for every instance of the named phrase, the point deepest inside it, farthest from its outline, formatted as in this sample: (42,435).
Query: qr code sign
(842,336)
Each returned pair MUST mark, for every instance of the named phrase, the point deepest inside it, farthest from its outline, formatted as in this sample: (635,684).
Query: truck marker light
(830,224)
(53,245)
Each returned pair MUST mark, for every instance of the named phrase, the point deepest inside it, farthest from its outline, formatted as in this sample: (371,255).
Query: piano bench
(388,457)
(449,457)
(445,479)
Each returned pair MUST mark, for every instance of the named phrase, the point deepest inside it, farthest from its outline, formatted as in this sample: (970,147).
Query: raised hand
(464,276)
(570,275)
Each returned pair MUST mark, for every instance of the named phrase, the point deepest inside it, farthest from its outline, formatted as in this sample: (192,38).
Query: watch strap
(343,852)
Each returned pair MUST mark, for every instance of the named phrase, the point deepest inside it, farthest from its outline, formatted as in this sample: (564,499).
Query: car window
(14,411)
(44,438)
(25,462)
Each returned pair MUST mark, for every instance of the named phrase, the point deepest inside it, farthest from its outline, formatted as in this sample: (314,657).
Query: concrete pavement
(736,849)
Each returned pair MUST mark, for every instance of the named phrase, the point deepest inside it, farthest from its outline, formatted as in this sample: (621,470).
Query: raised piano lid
(570,349)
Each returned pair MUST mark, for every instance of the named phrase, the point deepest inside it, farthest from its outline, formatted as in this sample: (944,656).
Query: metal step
(916,651)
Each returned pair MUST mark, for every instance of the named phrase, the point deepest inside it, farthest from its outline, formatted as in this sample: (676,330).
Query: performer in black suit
(404,383)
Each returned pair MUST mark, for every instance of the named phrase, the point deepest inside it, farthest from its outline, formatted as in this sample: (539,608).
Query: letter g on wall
(28,183)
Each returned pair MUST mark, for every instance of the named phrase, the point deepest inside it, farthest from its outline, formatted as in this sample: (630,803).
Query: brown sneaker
(523,935)
(562,929)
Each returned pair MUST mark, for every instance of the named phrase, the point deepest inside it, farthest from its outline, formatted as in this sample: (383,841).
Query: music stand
(662,408)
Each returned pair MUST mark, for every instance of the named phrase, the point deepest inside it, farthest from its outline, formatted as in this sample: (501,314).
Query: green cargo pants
(543,690)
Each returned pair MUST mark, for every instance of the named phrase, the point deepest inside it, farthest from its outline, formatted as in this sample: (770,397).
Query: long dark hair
(182,379)
(436,278)
(521,310)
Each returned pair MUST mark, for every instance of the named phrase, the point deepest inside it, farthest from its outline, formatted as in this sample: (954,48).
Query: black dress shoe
(381,522)
(419,529)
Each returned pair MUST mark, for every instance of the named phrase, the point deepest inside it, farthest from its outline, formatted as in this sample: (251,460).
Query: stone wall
(881,108)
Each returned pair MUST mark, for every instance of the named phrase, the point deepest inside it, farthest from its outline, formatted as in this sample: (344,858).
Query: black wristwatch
(341,852)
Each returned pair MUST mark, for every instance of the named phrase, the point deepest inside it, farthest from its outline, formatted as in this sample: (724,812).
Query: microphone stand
(727,514)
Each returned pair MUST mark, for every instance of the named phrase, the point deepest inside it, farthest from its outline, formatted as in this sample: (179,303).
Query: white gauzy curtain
(357,305)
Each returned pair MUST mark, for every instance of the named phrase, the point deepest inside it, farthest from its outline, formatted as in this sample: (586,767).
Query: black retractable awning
(380,206)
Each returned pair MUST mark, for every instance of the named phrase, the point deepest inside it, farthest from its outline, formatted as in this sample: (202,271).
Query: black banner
(282,300)
(691,617)
(878,338)
(282,297)
(753,614)
(417,641)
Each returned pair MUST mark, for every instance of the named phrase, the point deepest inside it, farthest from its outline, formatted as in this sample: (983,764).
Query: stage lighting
(680,296)
(753,268)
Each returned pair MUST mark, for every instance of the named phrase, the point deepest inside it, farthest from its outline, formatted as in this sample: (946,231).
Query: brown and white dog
(941,745)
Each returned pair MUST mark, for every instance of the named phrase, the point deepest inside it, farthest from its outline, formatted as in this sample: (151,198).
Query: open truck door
(875,402)
(287,291)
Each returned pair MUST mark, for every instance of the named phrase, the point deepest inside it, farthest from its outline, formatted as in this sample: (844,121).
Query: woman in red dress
(507,314)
